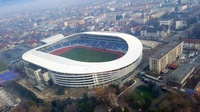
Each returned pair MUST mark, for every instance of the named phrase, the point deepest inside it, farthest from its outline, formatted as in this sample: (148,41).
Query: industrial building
(179,76)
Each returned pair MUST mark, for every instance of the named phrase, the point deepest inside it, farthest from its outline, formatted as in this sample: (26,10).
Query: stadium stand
(72,72)
(110,43)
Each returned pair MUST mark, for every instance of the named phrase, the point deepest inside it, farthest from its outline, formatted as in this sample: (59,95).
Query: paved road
(138,70)
(120,99)
(138,82)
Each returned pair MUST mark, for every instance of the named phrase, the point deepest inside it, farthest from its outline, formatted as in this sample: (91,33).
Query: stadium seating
(65,44)
(88,42)
(50,49)
(101,44)
(57,46)
(81,41)
(94,43)
(110,43)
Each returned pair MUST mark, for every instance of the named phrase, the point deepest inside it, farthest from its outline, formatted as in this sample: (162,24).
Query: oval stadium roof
(64,65)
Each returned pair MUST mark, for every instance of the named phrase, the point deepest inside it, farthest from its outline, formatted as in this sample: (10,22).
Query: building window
(154,65)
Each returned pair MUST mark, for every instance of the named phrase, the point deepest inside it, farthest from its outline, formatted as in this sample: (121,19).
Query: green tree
(116,109)
(60,91)
(126,109)
(58,105)
(154,89)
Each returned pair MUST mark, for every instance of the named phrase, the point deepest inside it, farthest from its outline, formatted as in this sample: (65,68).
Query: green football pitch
(88,55)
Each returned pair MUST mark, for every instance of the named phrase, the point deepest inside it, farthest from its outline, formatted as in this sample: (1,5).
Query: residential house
(162,31)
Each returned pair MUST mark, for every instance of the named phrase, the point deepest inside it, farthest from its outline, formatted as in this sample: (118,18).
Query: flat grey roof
(165,19)
(166,49)
(198,60)
(177,75)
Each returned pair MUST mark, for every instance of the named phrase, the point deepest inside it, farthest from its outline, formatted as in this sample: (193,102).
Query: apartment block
(160,59)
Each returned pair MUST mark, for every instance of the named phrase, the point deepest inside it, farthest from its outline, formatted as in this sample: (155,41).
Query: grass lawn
(88,55)
(142,94)
(3,66)
(141,98)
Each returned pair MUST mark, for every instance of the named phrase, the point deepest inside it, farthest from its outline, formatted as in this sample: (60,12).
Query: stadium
(85,59)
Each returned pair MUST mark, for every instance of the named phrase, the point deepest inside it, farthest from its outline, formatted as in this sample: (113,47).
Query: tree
(69,100)
(154,89)
(51,82)
(116,109)
(71,108)
(19,108)
(85,97)
(126,109)
(118,17)
(47,107)
(103,94)
(60,91)
(87,104)
(58,105)
(116,88)
(34,108)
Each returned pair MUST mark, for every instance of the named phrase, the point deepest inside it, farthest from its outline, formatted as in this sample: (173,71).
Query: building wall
(157,65)
(157,33)
(166,22)
(30,72)
(192,45)
(92,79)
(182,82)
(37,75)
(174,81)
(46,77)
(181,24)
(153,65)
(183,7)
(157,14)
(141,20)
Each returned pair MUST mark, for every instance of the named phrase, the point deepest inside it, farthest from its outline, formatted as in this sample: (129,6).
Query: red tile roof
(136,28)
(189,40)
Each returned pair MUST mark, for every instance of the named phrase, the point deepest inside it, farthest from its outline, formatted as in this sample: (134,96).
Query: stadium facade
(41,64)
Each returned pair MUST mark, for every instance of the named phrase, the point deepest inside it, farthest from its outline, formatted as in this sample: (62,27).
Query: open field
(141,98)
(141,94)
(89,55)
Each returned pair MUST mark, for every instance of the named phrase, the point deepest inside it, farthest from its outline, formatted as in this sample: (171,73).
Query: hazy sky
(4,3)
(13,6)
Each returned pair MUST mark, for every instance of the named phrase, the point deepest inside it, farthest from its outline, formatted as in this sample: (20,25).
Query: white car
(182,90)
(175,88)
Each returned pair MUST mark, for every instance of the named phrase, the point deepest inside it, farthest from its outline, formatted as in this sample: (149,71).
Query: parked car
(196,53)
(183,57)
(142,74)
(191,54)
(161,79)
(175,87)
(182,90)
(145,79)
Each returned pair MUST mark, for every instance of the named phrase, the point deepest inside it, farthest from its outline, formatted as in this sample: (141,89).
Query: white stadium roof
(53,38)
(65,65)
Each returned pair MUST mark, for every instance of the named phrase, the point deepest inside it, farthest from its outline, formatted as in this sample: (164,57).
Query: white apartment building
(180,24)
(168,22)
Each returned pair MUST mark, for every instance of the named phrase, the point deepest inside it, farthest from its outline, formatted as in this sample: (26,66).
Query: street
(120,98)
